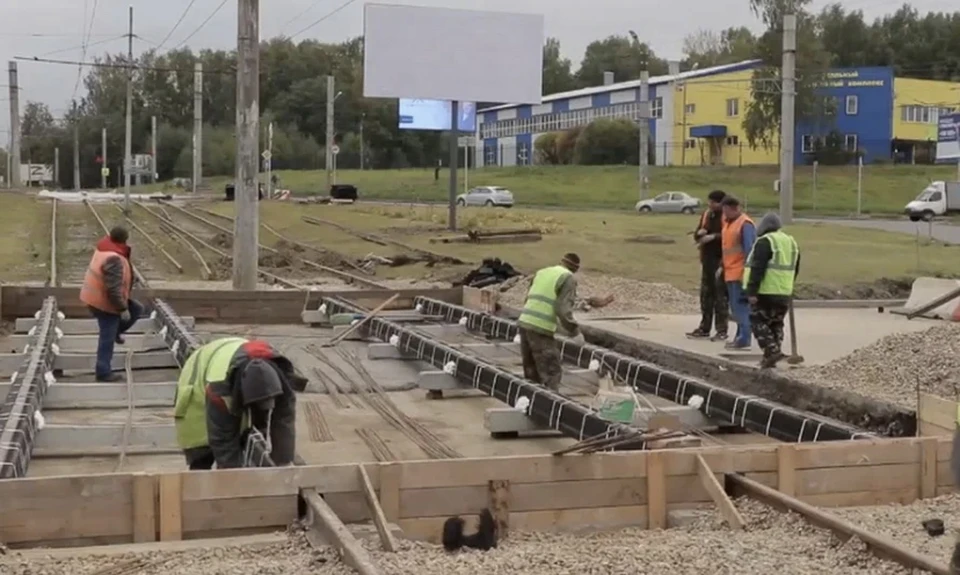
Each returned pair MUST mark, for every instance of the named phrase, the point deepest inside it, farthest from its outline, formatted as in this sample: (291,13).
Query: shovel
(795,358)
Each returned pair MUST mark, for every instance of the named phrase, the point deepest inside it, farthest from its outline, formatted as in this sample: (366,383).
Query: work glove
(125,315)
(578,339)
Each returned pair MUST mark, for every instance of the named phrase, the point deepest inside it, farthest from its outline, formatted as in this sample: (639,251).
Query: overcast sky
(53,28)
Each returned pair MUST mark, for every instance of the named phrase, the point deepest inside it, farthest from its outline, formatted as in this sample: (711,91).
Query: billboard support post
(454,147)
(948,140)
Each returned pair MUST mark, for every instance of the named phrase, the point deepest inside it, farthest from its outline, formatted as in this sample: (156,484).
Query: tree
(761,121)
(557,74)
(608,141)
(706,48)
(625,57)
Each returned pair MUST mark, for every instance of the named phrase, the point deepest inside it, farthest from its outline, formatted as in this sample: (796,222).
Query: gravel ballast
(773,543)
(891,368)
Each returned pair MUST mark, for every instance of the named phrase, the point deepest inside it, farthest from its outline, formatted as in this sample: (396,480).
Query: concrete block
(314,317)
(493,350)
(687,417)
(81,437)
(385,351)
(580,377)
(73,326)
(356,335)
(508,420)
(88,343)
(104,395)
(439,381)
(443,331)
(86,361)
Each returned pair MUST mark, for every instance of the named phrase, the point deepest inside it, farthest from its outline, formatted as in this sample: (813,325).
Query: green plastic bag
(619,410)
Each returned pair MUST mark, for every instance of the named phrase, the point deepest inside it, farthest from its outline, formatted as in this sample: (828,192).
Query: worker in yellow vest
(768,282)
(227,388)
(955,467)
(549,306)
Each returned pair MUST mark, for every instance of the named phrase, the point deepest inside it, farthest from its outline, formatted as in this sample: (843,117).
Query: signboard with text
(948,137)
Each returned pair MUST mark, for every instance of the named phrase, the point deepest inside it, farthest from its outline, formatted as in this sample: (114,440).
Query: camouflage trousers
(955,467)
(766,319)
(714,305)
(541,358)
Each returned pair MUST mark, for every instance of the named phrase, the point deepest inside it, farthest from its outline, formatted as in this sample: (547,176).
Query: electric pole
(76,149)
(331,96)
(197,125)
(56,167)
(14,175)
(362,117)
(269,160)
(128,140)
(246,225)
(103,156)
(644,132)
(788,116)
(153,149)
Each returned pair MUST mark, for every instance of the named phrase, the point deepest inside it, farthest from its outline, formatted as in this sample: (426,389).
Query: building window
(850,142)
(830,105)
(656,108)
(733,140)
(853,105)
(806,143)
(690,109)
(690,144)
(733,107)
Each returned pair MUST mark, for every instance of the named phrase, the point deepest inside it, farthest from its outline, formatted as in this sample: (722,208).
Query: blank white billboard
(447,54)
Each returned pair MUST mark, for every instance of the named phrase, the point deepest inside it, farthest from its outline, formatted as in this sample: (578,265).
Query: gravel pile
(630,296)
(904,523)
(772,543)
(889,369)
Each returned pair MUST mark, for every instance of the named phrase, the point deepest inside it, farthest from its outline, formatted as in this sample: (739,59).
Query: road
(944,232)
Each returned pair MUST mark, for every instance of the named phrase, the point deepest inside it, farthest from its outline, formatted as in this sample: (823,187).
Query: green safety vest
(208,365)
(782,268)
(539,311)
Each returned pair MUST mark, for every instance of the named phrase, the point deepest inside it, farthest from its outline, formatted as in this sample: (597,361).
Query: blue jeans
(111,326)
(740,310)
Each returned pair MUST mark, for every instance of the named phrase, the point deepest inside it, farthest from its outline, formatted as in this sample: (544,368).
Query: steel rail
(54,280)
(546,407)
(20,414)
(748,411)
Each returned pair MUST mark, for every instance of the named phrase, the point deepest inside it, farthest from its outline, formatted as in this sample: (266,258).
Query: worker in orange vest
(106,292)
(737,238)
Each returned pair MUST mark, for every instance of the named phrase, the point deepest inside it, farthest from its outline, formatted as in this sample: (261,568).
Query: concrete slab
(506,422)
(823,334)
(493,351)
(86,343)
(78,438)
(313,317)
(441,381)
(104,395)
(74,326)
(11,362)
(686,416)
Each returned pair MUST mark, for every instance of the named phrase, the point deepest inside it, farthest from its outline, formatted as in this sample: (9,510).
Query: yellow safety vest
(782,268)
(539,310)
(210,364)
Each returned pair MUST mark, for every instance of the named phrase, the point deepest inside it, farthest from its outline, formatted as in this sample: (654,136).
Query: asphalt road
(944,232)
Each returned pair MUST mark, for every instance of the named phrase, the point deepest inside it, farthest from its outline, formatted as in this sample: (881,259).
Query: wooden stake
(719,496)
(337,535)
(376,512)
(499,491)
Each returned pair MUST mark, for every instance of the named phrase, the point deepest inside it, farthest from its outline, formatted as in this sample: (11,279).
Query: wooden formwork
(541,492)
(936,415)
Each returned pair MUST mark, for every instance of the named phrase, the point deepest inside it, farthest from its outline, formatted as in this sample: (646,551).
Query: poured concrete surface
(823,335)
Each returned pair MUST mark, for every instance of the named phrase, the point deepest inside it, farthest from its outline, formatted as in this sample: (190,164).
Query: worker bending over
(955,467)
(550,302)
(713,291)
(106,292)
(768,281)
(228,386)
(736,241)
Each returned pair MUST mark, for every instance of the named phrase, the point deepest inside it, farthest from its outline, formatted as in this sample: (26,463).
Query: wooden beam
(144,508)
(719,496)
(500,506)
(323,519)
(787,470)
(376,512)
(928,468)
(390,490)
(656,491)
(171,507)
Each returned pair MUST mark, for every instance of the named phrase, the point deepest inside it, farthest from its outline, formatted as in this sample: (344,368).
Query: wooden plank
(926,429)
(857,452)
(246,512)
(144,508)
(499,493)
(939,411)
(337,535)
(727,509)
(853,479)
(787,469)
(557,520)
(928,469)
(862,498)
(268,482)
(171,506)
(945,448)
(386,538)
(390,481)
(247,542)
(656,491)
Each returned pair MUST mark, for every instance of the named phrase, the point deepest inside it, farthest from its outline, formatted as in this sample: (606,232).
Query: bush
(608,141)
(546,149)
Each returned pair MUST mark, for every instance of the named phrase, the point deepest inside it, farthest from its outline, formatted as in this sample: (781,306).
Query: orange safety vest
(94,292)
(734,258)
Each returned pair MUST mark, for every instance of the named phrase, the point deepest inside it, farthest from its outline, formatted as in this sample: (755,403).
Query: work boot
(120,340)
(770,362)
(699,333)
(737,346)
(112,378)
(720,336)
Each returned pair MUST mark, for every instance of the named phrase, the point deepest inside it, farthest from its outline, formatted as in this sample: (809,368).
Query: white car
(669,203)
(487,196)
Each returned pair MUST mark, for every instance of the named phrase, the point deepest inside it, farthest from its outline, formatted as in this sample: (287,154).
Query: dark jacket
(712,251)
(112,270)
(245,388)
(762,254)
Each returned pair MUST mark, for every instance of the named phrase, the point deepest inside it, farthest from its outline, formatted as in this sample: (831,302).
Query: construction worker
(768,281)
(713,291)
(228,386)
(736,241)
(549,305)
(955,467)
(106,292)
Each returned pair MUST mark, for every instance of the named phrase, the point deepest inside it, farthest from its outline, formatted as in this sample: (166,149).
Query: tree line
(293,91)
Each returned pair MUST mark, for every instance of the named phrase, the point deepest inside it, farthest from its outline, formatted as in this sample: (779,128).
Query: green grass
(834,257)
(25,249)
(886,188)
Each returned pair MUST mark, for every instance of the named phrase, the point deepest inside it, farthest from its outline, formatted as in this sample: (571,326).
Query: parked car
(487,196)
(670,203)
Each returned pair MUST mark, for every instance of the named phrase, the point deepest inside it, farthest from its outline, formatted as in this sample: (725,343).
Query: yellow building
(918,106)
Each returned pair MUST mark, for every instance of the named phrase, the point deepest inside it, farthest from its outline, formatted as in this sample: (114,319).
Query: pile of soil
(220,269)
(491,271)
(221,240)
(883,288)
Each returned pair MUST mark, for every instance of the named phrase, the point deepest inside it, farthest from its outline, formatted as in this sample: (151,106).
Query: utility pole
(246,225)
(362,117)
(331,95)
(788,116)
(76,149)
(454,149)
(269,160)
(197,125)
(644,132)
(153,149)
(56,166)
(128,140)
(103,156)
(14,175)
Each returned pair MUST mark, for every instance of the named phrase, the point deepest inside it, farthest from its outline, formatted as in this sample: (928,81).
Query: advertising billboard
(435,115)
(948,137)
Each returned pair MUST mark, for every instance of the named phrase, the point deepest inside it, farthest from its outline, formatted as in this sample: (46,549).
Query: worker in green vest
(228,387)
(768,280)
(549,306)
(955,468)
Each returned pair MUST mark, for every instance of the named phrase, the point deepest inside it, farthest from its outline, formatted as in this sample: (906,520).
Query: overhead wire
(177,25)
(301,14)
(323,18)
(202,24)
(72,48)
